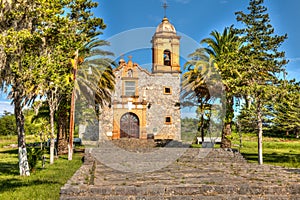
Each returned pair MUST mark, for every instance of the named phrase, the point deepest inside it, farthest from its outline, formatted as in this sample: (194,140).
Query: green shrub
(33,155)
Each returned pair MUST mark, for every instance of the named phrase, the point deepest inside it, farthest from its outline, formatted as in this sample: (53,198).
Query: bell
(167,58)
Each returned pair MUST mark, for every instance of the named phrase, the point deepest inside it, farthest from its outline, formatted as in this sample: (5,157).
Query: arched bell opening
(167,57)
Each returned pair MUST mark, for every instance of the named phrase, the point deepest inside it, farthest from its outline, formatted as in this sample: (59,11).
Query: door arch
(129,126)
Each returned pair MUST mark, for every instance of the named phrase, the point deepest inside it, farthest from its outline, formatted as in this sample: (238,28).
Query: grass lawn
(42,184)
(46,183)
(276,151)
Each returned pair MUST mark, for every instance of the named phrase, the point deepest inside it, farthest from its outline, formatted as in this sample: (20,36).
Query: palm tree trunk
(226,131)
(202,128)
(72,110)
(71,135)
(20,121)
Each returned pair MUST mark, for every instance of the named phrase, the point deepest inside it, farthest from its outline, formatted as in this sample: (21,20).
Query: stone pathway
(193,174)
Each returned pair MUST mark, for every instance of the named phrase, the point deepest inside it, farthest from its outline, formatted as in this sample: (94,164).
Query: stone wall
(150,87)
(105,123)
(163,105)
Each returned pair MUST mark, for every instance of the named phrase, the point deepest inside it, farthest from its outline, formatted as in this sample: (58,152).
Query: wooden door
(129,126)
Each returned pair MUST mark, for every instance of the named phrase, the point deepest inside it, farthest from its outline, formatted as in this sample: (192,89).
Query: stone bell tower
(146,105)
(165,48)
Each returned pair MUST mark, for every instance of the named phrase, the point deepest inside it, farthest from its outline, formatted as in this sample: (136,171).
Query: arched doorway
(129,126)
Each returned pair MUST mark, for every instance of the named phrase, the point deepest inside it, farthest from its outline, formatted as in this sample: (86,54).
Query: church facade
(147,104)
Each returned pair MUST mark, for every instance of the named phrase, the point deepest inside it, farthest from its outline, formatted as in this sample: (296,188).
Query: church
(146,105)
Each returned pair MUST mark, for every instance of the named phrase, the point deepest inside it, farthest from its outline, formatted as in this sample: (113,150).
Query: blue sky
(194,19)
(197,18)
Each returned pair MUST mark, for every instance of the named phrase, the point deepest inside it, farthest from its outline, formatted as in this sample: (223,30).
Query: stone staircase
(135,145)
(194,174)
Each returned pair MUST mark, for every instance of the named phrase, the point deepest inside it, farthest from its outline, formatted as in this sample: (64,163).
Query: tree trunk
(238,126)
(72,110)
(22,152)
(62,125)
(260,133)
(52,135)
(226,143)
(72,116)
(226,131)
(202,128)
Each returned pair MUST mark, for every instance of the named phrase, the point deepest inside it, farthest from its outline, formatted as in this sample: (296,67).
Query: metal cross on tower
(165,6)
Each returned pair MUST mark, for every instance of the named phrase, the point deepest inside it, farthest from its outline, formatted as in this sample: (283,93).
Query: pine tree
(287,109)
(260,60)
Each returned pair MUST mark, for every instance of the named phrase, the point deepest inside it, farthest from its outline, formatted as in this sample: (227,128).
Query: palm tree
(94,79)
(221,50)
(194,80)
(95,74)
(195,90)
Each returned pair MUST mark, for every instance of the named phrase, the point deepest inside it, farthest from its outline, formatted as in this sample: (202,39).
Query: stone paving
(182,173)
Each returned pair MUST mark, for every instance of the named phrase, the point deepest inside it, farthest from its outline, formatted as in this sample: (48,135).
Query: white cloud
(4,105)
(294,59)
(223,1)
(183,1)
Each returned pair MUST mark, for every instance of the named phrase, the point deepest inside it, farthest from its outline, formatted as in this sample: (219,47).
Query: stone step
(132,144)
(185,197)
(184,190)
(194,175)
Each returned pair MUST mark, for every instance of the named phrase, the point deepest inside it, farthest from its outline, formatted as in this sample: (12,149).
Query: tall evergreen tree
(287,109)
(260,60)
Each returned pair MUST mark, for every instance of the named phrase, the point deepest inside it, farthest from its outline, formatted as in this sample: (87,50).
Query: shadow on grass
(63,157)
(283,159)
(10,151)
(14,183)
(280,135)
(9,168)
